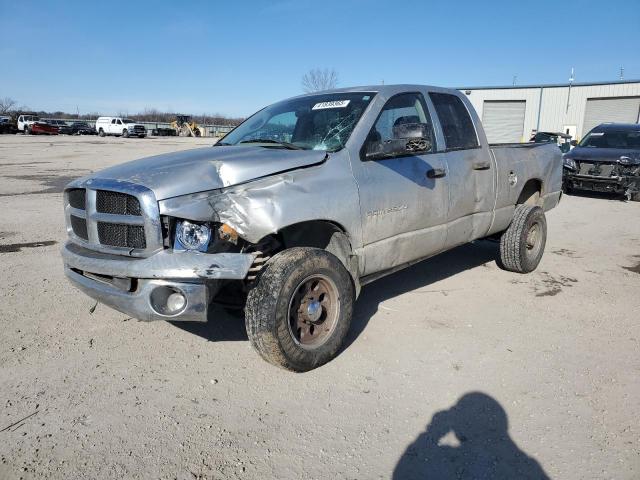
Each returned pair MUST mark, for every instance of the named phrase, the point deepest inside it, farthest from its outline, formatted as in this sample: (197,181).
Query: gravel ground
(452,366)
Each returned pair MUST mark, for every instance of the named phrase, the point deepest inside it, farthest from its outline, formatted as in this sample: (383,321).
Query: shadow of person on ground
(468,441)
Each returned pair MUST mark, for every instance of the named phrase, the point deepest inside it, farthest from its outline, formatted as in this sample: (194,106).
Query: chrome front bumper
(140,286)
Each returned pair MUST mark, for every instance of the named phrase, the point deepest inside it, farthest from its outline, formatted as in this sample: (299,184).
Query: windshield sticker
(333,104)
(597,134)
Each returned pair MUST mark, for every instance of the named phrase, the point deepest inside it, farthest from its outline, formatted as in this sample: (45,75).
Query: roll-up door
(619,110)
(503,121)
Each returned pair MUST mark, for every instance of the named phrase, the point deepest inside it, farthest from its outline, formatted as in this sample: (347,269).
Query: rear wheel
(522,244)
(101,132)
(300,310)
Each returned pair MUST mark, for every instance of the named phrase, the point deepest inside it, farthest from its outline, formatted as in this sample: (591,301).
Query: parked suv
(607,159)
(119,126)
(25,122)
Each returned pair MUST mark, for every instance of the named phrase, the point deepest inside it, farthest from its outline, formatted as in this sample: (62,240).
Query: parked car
(563,140)
(31,124)
(82,128)
(360,183)
(119,126)
(7,125)
(607,159)
(63,127)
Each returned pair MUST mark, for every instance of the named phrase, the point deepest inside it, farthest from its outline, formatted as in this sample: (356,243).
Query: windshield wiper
(290,146)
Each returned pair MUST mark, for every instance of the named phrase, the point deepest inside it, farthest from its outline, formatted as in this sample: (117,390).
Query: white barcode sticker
(333,104)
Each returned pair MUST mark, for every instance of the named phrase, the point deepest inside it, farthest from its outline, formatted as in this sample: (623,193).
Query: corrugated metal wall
(554,114)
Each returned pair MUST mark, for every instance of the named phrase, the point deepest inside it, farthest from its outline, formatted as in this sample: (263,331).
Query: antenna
(515,79)
(622,72)
(571,79)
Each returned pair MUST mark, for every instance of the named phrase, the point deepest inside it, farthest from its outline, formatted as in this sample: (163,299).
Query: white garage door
(620,110)
(503,121)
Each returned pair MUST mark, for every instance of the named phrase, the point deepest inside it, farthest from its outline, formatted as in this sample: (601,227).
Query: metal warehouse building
(512,114)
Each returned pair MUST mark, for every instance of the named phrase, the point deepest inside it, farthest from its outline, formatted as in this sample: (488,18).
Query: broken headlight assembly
(192,236)
(569,163)
(629,161)
(201,236)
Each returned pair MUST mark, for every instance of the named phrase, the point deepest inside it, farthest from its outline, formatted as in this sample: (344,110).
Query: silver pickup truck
(299,206)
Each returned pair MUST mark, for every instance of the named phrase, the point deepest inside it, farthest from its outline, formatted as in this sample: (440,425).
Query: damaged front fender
(265,206)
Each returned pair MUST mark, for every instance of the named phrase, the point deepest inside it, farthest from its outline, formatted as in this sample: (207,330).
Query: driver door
(403,198)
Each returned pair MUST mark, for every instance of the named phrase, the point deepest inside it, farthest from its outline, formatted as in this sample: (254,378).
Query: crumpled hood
(602,154)
(191,171)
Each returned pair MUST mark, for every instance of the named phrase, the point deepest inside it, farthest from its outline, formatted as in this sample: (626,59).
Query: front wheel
(300,309)
(522,244)
(125,133)
(26,130)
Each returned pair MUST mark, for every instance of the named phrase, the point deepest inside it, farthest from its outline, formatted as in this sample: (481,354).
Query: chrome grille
(79,226)
(113,217)
(117,203)
(77,198)
(118,235)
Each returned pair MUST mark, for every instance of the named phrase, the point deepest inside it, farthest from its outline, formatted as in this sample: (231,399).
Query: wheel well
(531,193)
(326,235)
(314,233)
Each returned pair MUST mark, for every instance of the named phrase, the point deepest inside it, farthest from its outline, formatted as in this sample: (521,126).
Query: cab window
(403,117)
(457,127)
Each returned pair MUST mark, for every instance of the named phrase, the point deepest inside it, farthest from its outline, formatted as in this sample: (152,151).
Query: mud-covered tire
(522,244)
(269,316)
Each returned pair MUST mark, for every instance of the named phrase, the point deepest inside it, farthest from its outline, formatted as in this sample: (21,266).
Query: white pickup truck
(302,204)
(119,126)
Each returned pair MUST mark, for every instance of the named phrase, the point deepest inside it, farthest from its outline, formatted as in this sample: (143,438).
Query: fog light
(175,302)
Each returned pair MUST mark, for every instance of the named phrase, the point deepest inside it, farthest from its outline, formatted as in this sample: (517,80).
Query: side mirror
(574,143)
(409,139)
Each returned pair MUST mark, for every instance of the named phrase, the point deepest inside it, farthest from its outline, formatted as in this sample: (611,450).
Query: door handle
(436,173)
(481,166)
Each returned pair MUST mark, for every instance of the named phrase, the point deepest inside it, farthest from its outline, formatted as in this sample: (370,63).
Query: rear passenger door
(471,171)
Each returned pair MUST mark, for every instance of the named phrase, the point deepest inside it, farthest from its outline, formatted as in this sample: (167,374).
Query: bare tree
(316,80)
(7,104)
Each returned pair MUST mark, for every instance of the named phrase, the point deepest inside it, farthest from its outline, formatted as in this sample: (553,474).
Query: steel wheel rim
(313,312)
(533,239)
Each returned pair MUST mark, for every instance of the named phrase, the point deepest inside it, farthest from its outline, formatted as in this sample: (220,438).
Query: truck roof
(387,90)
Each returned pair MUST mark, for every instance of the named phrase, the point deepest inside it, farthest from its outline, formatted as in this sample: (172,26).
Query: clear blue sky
(233,57)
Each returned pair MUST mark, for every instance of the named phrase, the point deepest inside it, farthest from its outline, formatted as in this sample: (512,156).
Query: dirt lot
(552,356)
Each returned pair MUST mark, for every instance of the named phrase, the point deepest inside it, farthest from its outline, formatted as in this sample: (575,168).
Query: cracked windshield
(319,122)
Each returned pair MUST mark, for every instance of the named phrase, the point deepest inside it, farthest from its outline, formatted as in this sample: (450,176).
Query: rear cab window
(457,126)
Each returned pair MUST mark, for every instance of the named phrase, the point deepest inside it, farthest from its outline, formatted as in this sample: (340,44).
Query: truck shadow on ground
(420,275)
(468,441)
(224,326)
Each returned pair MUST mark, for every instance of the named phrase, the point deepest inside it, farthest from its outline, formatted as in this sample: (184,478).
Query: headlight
(192,236)
(569,163)
(624,160)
